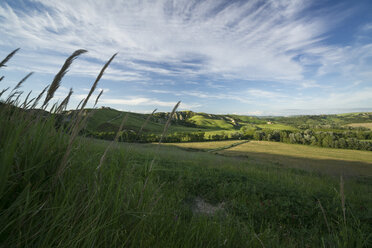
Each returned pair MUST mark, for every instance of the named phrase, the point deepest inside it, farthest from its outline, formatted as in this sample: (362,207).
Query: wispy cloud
(247,40)
(209,50)
(143,101)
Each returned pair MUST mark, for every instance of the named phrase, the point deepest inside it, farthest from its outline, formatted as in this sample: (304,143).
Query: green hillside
(204,121)
(108,120)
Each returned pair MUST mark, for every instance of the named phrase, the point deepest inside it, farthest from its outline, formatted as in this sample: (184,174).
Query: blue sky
(255,57)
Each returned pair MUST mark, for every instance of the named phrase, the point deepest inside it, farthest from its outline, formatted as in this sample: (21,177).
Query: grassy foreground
(58,189)
(180,199)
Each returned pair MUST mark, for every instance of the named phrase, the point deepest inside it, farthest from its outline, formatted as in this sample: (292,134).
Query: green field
(161,196)
(204,121)
(324,160)
(109,120)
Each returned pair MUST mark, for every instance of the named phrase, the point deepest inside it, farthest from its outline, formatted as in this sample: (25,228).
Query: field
(323,160)
(211,123)
(146,195)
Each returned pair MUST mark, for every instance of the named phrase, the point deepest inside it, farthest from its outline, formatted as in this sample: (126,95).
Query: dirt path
(116,117)
(229,146)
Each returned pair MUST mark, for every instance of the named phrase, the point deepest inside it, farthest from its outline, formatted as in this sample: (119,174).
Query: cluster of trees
(320,121)
(344,140)
(132,136)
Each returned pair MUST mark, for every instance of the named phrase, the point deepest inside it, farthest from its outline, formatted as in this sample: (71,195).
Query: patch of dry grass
(366,125)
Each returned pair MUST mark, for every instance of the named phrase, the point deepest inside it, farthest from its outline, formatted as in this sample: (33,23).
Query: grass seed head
(7,58)
(58,77)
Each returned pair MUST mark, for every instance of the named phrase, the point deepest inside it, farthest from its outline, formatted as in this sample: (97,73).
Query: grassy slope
(109,119)
(127,204)
(204,121)
(134,122)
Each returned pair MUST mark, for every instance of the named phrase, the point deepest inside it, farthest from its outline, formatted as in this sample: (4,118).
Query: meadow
(61,189)
(330,161)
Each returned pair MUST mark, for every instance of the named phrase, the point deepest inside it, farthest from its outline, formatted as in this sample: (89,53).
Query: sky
(253,57)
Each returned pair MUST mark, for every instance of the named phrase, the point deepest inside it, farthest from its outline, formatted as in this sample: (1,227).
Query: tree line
(358,140)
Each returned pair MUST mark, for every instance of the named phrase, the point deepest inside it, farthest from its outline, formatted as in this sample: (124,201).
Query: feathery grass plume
(167,124)
(1,78)
(77,125)
(39,97)
(324,216)
(97,79)
(26,99)
(7,58)
(145,123)
(22,81)
(58,77)
(98,97)
(64,103)
(112,142)
(3,91)
(342,193)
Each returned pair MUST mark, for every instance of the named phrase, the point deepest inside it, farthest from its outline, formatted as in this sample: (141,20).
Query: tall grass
(140,201)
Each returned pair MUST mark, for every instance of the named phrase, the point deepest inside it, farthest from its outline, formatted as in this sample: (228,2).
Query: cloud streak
(199,47)
(254,40)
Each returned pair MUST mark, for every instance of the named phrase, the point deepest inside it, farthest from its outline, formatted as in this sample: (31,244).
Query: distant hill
(108,120)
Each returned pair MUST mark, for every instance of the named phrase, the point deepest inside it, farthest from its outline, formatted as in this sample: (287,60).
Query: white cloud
(199,44)
(252,40)
(143,101)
